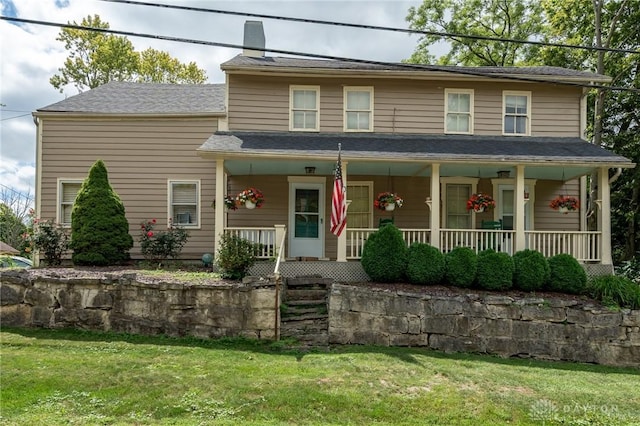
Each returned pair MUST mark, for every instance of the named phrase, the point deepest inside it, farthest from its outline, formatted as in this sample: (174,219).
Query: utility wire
(375,27)
(15,116)
(417,67)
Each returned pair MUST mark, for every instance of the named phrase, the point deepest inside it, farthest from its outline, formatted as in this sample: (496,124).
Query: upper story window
(517,113)
(358,109)
(459,111)
(67,191)
(184,203)
(305,108)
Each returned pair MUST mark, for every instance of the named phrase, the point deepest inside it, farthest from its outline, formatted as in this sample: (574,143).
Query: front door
(306,219)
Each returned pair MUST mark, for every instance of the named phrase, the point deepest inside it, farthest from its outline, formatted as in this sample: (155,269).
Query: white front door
(506,207)
(306,219)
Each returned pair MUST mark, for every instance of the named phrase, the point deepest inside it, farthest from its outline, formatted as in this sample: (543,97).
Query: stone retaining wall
(121,303)
(553,329)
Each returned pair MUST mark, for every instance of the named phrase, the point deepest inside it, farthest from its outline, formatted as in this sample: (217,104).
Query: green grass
(82,378)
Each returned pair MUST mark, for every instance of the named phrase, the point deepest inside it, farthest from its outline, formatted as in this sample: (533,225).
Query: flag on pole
(338,201)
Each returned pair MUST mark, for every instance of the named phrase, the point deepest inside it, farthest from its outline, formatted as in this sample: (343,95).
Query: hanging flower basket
(387,201)
(250,198)
(564,204)
(230,202)
(480,202)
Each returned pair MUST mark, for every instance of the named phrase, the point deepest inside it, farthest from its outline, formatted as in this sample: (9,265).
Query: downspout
(615,176)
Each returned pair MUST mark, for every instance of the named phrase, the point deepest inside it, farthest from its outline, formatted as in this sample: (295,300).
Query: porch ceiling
(291,167)
(263,153)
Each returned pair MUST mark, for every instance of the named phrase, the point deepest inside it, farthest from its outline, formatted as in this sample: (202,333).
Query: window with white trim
(184,203)
(517,113)
(67,191)
(456,191)
(304,108)
(360,211)
(358,109)
(459,111)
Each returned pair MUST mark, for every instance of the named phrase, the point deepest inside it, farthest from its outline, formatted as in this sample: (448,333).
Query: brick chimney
(253,39)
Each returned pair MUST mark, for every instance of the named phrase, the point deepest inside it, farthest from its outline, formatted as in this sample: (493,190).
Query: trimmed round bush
(615,290)
(567,276)
(425,264)
(531,270)
(384,255)
(495,270)
(460,268)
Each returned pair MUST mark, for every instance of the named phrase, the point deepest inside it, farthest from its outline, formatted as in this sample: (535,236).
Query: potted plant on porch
(480,202)
(250,198)
(564,204)
(387,201)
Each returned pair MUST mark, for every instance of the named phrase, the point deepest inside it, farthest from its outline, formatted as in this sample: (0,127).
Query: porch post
(604,215)
(220,208)
(435,205)
(520,243)
(341,255)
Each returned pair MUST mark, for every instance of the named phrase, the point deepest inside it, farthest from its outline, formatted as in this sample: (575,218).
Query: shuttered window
(68,190)
(184,199)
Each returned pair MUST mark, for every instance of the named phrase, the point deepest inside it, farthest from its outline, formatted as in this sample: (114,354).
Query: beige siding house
(433,135)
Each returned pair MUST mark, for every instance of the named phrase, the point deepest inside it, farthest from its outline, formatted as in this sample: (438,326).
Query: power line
(15,116)
(21,194)
(423,67)
(375,27)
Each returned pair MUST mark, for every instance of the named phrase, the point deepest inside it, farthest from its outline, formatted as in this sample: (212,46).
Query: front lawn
(75,377)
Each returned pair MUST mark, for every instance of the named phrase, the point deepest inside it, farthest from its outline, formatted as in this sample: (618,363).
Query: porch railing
(265,238)
(585,246)
(357,237)
(477,239)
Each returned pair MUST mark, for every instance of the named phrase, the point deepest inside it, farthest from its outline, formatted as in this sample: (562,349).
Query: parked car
(10,261)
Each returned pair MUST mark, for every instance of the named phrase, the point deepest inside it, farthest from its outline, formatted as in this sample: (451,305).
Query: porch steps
(304,310)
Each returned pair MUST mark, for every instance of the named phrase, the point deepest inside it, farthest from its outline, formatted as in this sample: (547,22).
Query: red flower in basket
(480,202)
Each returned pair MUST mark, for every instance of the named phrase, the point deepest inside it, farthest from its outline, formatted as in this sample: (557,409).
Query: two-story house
(434,135)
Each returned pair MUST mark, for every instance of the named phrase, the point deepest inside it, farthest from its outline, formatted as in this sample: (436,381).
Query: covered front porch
(432,174)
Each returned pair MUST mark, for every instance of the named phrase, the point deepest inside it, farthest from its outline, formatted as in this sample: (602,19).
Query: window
(305,107)
(455,193)
(459,111)
(358,109)
(360,211)
(67,192)
(184,203)
(517,113)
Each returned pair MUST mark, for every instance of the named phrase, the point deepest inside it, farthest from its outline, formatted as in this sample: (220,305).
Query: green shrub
(157,247)
(567,276)
(235,256)
(99,229)
(425,264)
(384,255)
(615,290)
(531,270)
(50,240)
(495,270)
(461,266)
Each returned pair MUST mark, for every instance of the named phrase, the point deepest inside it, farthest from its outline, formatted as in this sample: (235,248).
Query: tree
(12,228)
(96,58)
(514,19)
(99,228)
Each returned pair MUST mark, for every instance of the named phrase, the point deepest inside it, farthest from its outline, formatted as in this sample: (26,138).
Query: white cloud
(31,54)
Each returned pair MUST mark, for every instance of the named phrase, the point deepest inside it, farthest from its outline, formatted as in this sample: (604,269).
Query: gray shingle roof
(427,147)
(145,98)
(317,64)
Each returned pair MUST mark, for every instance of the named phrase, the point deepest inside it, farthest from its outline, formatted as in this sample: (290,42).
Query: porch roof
(573,156)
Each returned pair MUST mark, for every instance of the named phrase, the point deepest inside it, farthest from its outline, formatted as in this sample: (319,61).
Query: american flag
(338,202)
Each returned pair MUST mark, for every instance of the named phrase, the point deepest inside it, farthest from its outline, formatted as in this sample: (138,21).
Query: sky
(30,54)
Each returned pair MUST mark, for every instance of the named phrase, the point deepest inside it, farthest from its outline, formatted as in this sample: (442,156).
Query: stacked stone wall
(122,303)
(553,328)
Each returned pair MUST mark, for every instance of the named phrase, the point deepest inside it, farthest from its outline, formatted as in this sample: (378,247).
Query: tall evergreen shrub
(495,270)
(531,270)
(461,265)
(425,264)
(384,255)
(99,229)
(567,276)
